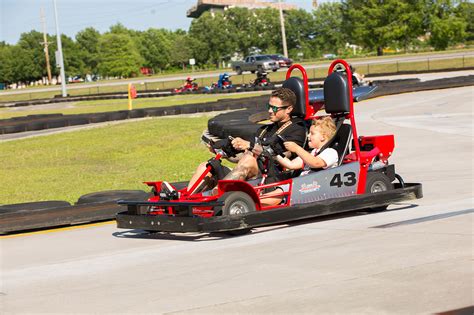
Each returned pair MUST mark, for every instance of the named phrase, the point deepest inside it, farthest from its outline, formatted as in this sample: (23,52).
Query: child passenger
(321,131)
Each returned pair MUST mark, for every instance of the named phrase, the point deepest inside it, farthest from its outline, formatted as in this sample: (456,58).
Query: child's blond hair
(326,126)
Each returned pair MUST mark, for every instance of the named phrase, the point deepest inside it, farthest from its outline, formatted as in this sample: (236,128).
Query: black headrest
(336,94)
(297,86)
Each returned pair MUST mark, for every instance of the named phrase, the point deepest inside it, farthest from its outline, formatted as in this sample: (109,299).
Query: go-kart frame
(363,180)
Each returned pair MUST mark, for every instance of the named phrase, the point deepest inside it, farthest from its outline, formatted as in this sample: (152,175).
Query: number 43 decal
(348,180)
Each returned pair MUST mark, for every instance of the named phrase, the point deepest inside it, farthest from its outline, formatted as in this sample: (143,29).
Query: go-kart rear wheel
(237,203)
(377,182)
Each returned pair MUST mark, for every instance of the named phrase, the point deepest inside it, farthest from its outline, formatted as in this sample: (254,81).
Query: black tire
(238,70)
(237,203)
(137,113)
(377,182)
(113,195)
(97,118)
(33,206)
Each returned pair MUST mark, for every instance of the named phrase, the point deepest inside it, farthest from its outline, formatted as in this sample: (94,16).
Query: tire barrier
(112,196)
(92,207)
(33,206)
(48,121)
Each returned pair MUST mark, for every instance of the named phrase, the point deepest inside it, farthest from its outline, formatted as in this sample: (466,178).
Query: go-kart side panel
(324,184)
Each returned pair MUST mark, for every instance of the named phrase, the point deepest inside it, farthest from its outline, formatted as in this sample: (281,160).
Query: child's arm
(305,156)
(294,164)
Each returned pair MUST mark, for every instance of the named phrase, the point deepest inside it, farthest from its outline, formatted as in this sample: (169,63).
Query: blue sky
(20,16)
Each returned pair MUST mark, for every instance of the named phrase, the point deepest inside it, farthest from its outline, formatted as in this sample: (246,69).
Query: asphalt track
(415,258)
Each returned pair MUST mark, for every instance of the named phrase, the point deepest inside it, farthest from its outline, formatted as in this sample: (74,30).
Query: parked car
(329,56)
(75,79)
(255,63)
(282,60)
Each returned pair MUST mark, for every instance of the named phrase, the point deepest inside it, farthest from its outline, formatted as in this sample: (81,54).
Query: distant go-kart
(223,84)
(363,179)
(189,87)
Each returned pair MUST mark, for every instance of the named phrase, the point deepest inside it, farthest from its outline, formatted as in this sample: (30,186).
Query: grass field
(82,107)
(120,156)
(373,69)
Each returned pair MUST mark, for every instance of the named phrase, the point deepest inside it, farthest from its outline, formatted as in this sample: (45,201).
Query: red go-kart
(363,179)
(188,87)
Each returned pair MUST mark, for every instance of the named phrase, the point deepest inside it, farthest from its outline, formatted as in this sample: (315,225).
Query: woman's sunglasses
(274,108)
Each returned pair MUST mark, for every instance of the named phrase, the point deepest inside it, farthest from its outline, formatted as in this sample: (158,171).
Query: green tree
(155,48)
(181,49)
(300,29)
(73,63)
(119,28)
(445,27)
(30,46)
(465,11)
(6,66)
(376,24)
(244,25)
(118,55)
(214,38)
(328,28)
(268,29)
(88,44)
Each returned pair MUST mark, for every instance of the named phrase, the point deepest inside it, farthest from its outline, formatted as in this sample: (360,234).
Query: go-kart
(261,81)
(357,78)
(188,87)
(363,179)
(222,84)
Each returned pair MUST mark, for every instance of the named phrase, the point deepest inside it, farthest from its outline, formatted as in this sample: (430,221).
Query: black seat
(336,94)
(341,140)
(297,86)
(337,103)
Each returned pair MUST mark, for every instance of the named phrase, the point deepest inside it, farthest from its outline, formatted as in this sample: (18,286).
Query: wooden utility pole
(283,34)
(45,43)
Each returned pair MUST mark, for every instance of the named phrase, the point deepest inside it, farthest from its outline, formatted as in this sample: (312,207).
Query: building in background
(220,5)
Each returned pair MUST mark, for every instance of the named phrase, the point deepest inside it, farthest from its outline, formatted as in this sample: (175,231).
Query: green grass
(67,165)
(82,107)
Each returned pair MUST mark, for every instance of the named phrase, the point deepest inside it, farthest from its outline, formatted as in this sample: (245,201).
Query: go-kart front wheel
(377,182)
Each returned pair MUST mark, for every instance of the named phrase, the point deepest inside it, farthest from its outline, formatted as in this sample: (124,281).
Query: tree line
(372,25)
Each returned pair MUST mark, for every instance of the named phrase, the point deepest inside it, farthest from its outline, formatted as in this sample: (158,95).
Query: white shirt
(329,156)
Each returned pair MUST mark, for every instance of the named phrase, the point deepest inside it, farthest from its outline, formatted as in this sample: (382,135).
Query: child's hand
(291,146)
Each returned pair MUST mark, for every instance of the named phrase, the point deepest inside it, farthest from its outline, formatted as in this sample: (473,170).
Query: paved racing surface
(415,258)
